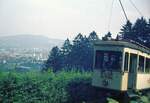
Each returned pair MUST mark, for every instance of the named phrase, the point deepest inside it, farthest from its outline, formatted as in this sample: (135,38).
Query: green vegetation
(48,87)
(36,87)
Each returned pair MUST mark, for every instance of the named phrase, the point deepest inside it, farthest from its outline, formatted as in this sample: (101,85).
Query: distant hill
(28,41)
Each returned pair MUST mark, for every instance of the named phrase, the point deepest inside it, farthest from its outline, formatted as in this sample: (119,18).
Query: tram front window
(108,60)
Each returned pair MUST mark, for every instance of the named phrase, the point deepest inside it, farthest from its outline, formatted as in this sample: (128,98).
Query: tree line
(138,31)
(78,54)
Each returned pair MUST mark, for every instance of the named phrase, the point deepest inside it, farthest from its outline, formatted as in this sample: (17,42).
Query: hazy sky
(66,18)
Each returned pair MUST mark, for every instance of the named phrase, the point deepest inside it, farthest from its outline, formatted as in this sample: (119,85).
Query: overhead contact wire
(123,10)
(136,7)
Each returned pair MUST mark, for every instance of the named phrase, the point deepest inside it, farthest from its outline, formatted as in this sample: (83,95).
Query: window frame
(139,69)
(147,59)
(126,62)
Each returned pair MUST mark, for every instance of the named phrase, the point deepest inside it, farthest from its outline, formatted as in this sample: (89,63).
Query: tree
(54,60)
(81,54)
(78,55)
(93,36)
(126,31)
(139,31)
(147,43)
(140,26)
(107,36)
(75,55)
(78,39)
(88,53)
(65,50)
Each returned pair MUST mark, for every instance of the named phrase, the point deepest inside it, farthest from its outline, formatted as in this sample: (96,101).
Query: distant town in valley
(26,51)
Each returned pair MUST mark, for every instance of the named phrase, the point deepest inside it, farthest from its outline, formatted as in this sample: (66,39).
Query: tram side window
(147,69)
(126,62)
(141,64)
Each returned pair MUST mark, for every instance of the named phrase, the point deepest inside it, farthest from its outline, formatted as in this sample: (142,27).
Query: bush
(36,87)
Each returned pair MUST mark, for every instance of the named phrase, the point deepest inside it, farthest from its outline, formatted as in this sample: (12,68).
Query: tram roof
(133,45)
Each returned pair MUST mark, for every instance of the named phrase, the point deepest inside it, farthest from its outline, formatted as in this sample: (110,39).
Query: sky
(61,19)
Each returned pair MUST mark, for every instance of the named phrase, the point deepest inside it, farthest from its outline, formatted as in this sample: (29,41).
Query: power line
(135,7)
(110,16)
(123,10)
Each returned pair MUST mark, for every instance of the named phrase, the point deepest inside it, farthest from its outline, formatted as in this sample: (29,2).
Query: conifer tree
(66,50)
(107,36)
(54,60)
(126,31)
(138,32)
(93,36)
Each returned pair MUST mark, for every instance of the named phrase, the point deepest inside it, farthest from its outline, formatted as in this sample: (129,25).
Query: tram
(121,66)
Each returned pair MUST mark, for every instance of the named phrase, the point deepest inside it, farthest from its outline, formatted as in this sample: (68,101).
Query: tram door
(132,71)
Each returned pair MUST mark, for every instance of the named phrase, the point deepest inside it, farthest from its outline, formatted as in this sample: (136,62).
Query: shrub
(36,87)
